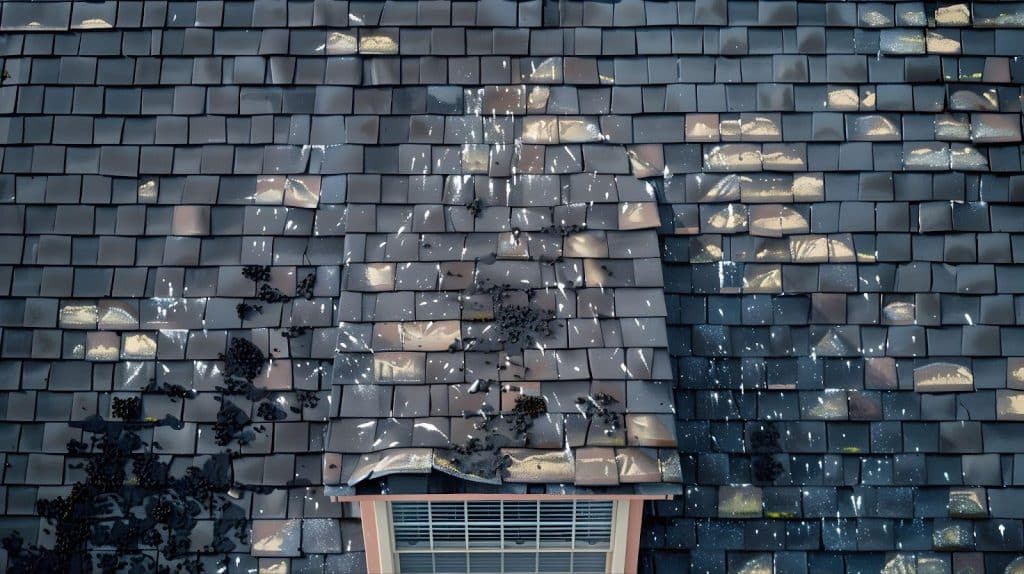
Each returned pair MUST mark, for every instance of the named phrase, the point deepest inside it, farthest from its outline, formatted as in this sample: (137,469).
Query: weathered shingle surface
(765,253)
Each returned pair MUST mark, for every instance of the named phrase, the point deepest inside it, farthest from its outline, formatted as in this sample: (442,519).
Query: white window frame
(618,547)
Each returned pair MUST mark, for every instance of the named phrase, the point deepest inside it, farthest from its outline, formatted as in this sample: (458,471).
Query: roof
(808,216)
(513,332)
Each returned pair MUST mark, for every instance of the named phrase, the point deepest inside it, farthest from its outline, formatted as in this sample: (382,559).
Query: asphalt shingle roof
(761,254)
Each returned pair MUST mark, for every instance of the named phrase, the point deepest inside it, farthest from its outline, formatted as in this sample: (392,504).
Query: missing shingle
(765,444)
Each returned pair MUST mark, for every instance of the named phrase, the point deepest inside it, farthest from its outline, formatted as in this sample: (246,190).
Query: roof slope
(762,253)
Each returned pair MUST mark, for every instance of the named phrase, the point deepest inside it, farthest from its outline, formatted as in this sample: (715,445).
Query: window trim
(375,514)
(621,535)
(376,522)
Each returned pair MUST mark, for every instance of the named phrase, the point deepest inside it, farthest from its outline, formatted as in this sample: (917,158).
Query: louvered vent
(566,536)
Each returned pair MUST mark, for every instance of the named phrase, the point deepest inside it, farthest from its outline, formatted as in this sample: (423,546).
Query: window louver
(566,536)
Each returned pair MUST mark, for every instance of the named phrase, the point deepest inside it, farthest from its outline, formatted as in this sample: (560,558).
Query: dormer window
(512,534)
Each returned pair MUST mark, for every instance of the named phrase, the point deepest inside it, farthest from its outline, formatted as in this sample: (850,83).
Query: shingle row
(265,13)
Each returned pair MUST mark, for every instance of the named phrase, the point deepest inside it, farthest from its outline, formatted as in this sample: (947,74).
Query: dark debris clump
(173,391)
(515,326)
(305,287)
(563,229)
(521,326)
(37,560)
(246,311)
(128,409)
(161,511)
(130,502)
(306,400)
(268,411)
(127,503)
(232,425)
(497,291)
(530,405)
(243,360)
(294,331)
(483,457)
(269,294)
(256,273)
(595,408)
